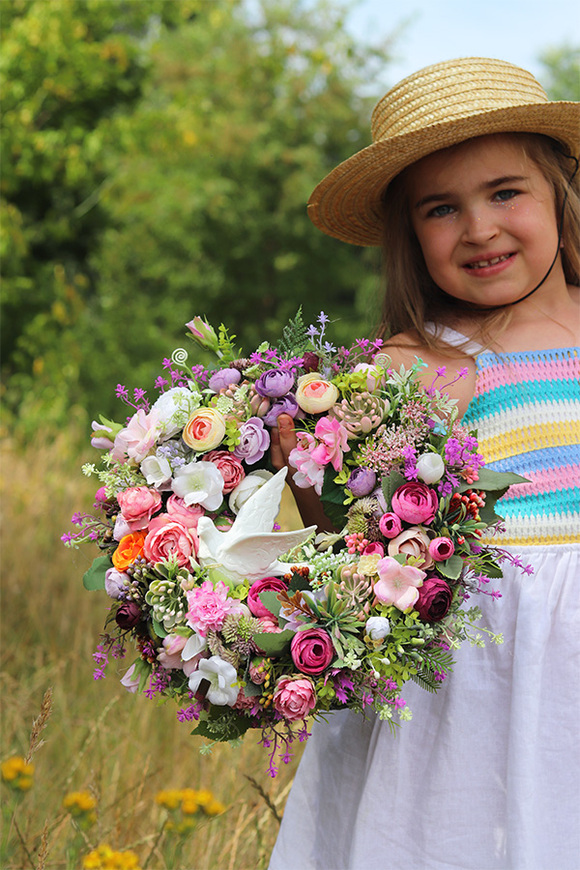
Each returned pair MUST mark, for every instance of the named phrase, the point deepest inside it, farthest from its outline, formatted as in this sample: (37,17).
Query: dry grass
(95,736)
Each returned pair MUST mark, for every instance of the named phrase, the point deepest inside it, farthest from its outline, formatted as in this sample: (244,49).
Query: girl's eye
(505,195)
(441,211)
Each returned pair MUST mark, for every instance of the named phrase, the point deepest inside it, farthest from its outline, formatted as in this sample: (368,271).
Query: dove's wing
(210,540)
(252,556)
(259,513)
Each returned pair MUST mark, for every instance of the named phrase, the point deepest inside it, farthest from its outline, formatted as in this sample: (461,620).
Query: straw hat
(434,108)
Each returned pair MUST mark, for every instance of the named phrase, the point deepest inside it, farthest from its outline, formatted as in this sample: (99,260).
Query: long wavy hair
(412,298)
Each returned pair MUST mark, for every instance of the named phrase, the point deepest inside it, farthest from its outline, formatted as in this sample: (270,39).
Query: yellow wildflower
(105,858)
(17,773)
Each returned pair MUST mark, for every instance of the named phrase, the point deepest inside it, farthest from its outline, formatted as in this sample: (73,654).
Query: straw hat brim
(347,202)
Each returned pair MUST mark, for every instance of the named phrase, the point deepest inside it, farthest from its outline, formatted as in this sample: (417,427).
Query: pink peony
(294,698)
(258,586)
(333,439)
(441,549)
(138,504)
(412,542)
(209,605)
(229,466)
(398,584)
(312,650)
(187,515)
(415,503)
(168,539)
(390,525)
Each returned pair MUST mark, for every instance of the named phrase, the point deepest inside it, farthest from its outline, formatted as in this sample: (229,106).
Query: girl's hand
(283,440)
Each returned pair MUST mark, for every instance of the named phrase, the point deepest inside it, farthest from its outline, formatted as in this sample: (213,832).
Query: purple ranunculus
(223,378)
(254,441)
(128,615)
(286,405)
(274,383)
(362,481)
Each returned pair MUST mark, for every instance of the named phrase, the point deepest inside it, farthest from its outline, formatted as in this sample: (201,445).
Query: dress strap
(454,338)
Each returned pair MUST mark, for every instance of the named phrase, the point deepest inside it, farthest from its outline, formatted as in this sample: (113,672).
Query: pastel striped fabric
(526,409)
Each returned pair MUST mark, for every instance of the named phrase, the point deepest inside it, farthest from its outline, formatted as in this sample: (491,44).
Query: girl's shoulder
(406,347)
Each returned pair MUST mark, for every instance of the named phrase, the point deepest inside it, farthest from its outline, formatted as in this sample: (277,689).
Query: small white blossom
(223,679)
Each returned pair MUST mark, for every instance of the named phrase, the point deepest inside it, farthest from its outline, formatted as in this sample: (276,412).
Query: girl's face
(485,219)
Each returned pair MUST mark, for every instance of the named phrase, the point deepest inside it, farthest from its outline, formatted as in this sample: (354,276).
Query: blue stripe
(567,456)
(544,504)
(487,358)
(526,395)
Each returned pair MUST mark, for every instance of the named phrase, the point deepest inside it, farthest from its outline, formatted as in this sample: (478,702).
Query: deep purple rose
(277,584)
(312,650)
(415,503)
(274,383)
(128,615)
(310,361)
(286,405)
(254,441)
(224,378)
(434,599)
(362,481)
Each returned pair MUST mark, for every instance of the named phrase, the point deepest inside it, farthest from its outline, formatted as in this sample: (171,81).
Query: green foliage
(562,77)
(94,578)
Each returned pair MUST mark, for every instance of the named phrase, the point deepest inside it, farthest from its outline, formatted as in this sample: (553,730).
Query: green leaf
(274,644)
(490,481)
(94,578)
(332,499)
(270,600)
(451,568)
(390,483)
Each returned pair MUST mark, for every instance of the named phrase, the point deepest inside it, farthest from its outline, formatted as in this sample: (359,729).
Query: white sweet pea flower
(430,467)
(157,471)
(223,678)
(174,408)
(249,485)
(377,627)
(193,647)
(199,483)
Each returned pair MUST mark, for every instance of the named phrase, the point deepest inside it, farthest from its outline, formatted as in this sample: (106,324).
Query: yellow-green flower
(17,773)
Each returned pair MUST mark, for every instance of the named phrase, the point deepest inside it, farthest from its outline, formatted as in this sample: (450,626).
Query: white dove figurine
(250,549)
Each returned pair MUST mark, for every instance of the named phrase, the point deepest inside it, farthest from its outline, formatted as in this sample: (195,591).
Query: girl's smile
(484,216)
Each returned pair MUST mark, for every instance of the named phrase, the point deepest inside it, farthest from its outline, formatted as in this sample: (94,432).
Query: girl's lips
(489,266)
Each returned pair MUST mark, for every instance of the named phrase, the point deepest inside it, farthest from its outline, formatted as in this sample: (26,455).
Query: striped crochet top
(526,409)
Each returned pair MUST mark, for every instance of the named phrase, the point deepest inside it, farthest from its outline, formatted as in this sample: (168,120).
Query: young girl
(468,186)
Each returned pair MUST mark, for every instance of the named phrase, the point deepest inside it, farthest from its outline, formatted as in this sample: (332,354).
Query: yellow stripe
(533,541)
(529,438)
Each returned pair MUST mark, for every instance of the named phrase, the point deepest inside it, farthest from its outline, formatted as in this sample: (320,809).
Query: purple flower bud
(128,615)
(362,481)
(310,361)
(223,378)
(274,383)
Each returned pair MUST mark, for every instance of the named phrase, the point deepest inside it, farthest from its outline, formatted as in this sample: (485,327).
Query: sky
(514,30)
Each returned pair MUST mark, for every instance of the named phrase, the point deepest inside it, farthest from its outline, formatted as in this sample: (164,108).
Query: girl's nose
(479,227)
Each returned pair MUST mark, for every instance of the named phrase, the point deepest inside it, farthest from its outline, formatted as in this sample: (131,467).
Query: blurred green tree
(193,201)
(562,76)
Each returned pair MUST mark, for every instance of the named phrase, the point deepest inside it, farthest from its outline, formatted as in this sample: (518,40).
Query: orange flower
(130,547)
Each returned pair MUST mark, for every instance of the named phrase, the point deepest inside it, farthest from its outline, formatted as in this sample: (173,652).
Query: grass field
(121,748)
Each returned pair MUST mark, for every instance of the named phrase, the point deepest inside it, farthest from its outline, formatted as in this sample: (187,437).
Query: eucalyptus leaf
(451,568)
(274,644)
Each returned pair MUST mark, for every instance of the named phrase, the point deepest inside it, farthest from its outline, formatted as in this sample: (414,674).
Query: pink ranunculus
(187,515)
(294,698)
(434,601)
(138,504)
(266,583)
(269,624)
(415,502)
(333,442)
(441,549)
(169,539)
(228,465)
(390,525)
(412,542)
(374,549)
(312,650)
(398,584)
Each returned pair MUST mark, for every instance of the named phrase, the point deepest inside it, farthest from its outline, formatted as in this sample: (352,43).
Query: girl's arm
(307,501)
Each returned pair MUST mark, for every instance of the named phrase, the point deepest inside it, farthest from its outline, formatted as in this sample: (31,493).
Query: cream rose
(315,395)
(204,430)
(412,542)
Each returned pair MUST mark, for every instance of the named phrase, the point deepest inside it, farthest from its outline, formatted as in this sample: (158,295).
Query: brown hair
(412,298)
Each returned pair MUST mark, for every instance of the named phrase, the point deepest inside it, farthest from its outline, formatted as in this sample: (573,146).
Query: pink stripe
(546,480)
(517,372)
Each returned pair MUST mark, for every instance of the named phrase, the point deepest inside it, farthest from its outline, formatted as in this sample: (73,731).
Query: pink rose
(263,585)
(312,650)
(413,542)
(187,515)
(167,539)
(294,698)
(415,503)
(390,525)
(229,466)
(441,549)
(314,394)
(138,504)
(434,599)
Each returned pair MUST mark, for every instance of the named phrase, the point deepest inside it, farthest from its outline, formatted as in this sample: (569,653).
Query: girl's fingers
(287,440)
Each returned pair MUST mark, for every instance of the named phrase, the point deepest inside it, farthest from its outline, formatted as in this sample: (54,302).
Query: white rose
(377,627)
(430,467)
(249,485)
(174,408)
(199,483)
(156,471)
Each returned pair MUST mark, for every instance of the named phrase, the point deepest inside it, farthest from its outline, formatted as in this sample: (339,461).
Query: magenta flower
(333,443)
(415,503)
(398,584)
(312,650)
(441,549)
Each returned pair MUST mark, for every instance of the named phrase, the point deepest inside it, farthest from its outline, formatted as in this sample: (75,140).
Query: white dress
(487,773)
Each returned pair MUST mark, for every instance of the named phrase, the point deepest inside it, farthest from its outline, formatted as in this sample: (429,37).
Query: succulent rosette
(245,625)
